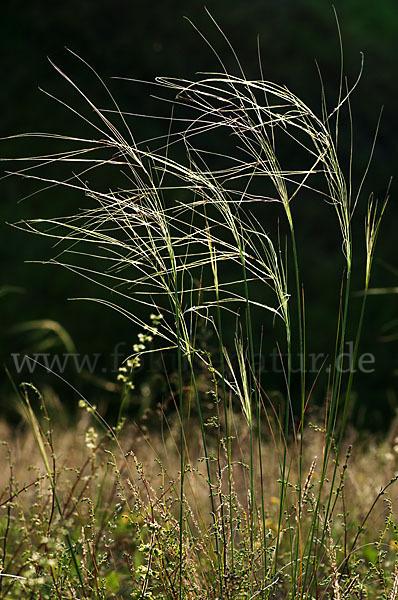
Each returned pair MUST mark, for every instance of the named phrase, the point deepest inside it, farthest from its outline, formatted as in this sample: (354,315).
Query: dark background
(147,39)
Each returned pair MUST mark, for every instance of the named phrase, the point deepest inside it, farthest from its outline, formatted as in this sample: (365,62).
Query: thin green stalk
(259,437)
(252,360)
(223,387)
(373,221)
(207,460)
(285,432)
(182,452)
(302,388)
(329,436)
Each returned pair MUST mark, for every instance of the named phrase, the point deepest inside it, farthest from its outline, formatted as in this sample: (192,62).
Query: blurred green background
(147,39)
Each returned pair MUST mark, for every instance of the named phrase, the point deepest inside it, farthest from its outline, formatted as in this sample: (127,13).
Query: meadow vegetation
(230,492)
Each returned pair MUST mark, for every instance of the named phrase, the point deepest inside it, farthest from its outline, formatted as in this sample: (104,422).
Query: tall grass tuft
(185,236)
